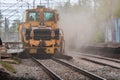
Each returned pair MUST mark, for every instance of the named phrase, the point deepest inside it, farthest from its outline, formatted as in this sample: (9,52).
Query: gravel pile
(28,69)
(63,71)
(103,71)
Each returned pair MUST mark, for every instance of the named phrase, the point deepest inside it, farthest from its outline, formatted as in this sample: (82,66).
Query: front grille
(42,34)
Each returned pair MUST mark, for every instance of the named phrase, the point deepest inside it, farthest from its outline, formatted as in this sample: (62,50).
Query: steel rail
(101,57)
(105,64)
(53,75)
(80,70)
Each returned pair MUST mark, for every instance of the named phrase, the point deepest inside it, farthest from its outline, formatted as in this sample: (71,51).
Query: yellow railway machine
(40,31)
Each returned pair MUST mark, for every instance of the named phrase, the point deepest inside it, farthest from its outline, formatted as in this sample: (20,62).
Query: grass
(8,66)
(17,60)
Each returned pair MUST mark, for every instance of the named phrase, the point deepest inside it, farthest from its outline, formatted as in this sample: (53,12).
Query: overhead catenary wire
(14,9)
(10,9)
(10,6)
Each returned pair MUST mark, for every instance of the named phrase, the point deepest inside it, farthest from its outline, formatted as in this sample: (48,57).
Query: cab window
(33,16)
(49,16)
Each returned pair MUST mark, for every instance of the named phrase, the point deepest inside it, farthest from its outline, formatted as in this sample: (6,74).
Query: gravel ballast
(103,71)
(28,69)
(63,71)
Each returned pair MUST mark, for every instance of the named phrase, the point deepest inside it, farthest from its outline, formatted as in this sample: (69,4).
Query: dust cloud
(78,27)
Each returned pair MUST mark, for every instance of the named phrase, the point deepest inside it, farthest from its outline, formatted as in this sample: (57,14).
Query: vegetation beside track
(7,66)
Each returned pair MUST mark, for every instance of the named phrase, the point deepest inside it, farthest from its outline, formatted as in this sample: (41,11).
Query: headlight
(20,46)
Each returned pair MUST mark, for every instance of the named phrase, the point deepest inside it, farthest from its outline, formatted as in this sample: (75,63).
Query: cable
(10,6)
(15,9)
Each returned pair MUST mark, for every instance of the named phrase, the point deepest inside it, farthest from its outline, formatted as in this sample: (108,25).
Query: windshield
(33,16)
(49,16)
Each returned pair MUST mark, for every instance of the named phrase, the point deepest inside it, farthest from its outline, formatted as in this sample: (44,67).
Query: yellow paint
(31,24)
(49,50)
(49,43)
(33,50)
(51,24)
(34,42)
(25,40)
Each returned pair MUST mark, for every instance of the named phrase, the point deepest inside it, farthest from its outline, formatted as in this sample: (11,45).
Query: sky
(20,12)
(14,1)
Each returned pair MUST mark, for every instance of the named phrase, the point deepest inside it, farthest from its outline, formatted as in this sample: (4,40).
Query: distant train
(40,32)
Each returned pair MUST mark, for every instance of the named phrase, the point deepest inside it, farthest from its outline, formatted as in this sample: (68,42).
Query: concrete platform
(12,51)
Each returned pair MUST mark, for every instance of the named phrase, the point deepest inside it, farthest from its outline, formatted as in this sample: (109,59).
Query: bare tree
(1,19)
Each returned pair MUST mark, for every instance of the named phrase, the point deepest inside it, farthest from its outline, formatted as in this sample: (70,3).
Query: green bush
(8,66)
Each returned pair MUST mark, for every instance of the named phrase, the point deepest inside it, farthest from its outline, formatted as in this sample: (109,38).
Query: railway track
(80,70)
(102,60)
(54,76)
(101,57)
